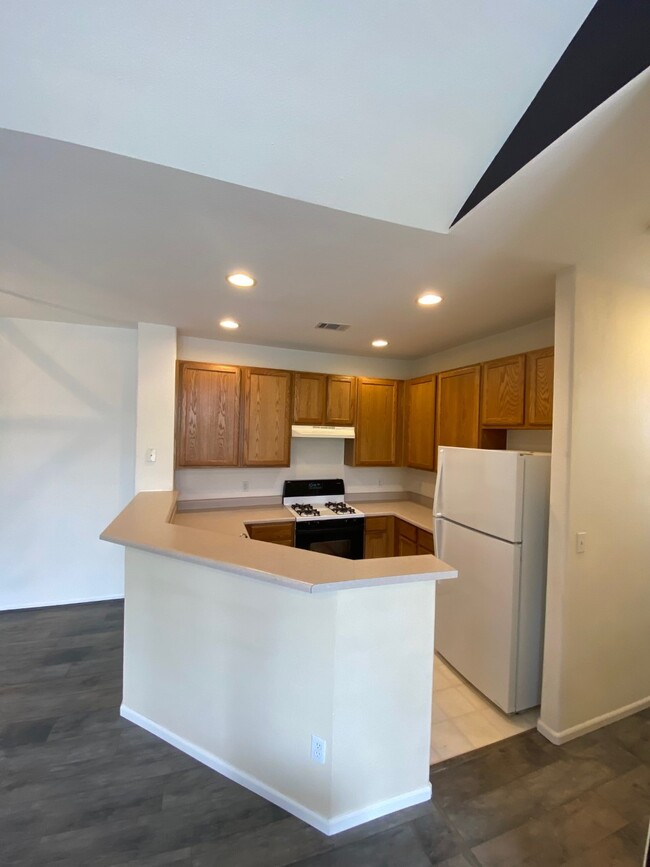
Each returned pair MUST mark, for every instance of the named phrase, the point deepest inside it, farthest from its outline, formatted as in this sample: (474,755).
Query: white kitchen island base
(240,673)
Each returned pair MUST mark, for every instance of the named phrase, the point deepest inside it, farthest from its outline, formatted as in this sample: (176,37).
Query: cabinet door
(377,436)
(207,415)
(457,407)
(378,538)
(279,534)
(419,427)
(405,538)
(341,400)
(267,418)
(503,390)
(406,546)
(425,542)
(309,398)
(539,391)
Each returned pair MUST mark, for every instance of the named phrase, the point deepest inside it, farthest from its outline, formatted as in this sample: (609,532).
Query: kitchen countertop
(233,520)
(407,510)
(218,538)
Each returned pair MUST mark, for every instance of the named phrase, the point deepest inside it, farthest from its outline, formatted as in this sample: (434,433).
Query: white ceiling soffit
(387,109)
(125,241)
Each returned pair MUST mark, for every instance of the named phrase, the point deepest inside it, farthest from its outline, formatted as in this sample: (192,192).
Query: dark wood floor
(80,786)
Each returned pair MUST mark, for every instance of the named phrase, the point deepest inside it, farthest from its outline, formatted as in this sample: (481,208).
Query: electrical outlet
(150,456)
(318,749)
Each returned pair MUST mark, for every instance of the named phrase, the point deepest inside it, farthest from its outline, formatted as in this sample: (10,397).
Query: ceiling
(92,236)
(387,109)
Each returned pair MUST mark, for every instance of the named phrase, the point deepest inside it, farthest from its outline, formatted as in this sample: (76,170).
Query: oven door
(338,537)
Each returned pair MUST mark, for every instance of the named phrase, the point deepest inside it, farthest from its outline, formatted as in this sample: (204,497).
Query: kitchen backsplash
(323,459)
(310,459)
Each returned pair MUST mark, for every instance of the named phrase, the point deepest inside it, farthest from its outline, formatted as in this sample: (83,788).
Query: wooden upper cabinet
(419,426)
(267,418)
(503,391)
(207,415)
(457,407)
(341,402)
(324,399)
(539,387)
(377,442)
(309,398)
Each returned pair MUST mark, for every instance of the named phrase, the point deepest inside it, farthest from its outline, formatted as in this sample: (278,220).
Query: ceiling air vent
(332,326)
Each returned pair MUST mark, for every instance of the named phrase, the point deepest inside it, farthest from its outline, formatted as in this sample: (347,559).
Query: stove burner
(340,508)
(304,509)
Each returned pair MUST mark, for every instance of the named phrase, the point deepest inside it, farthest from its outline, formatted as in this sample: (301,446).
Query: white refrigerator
(490,514)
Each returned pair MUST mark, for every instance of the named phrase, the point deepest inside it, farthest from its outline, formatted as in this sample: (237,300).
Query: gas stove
(325,523)
(318,500)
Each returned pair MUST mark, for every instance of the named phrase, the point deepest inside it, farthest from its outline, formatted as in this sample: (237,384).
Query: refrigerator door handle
(437,493)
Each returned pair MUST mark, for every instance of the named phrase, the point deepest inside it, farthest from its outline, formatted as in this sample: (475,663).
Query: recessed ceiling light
(241,280)
(229,323)
(380,343)
(429,298)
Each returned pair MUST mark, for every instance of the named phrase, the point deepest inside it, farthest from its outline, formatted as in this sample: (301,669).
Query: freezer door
(482,489)
(477,613)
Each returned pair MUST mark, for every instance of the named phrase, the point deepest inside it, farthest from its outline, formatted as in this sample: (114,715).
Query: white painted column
(597,638)
(155,412)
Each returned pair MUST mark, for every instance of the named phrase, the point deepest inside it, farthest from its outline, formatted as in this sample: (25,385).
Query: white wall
(536,335)
(156,403)
(315,459)
(67,421)
(230,352)
(597,645)
(241,673)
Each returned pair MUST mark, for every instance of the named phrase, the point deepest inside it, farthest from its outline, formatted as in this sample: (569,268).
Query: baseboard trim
(83,601)
(559,738)
(316,820)
(376,811)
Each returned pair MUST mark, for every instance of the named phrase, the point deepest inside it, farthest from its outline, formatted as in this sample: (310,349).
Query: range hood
(322,431)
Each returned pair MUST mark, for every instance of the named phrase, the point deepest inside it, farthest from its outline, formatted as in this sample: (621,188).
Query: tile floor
(462,719)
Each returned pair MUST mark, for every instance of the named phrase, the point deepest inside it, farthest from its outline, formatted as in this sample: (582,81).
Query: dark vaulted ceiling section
(610,49)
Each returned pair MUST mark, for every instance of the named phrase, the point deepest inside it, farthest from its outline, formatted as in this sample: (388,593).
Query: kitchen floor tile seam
(491,736)
(536,809)
(596,851)
(32,682)
(331,846)
(498,729)
(463,846)
(462,743)
(464,758)
(479,701)
(558,833)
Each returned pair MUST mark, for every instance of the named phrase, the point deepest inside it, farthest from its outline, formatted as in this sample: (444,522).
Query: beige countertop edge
(144,524)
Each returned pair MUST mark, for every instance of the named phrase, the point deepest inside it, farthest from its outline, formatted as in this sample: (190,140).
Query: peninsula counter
(238,652)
